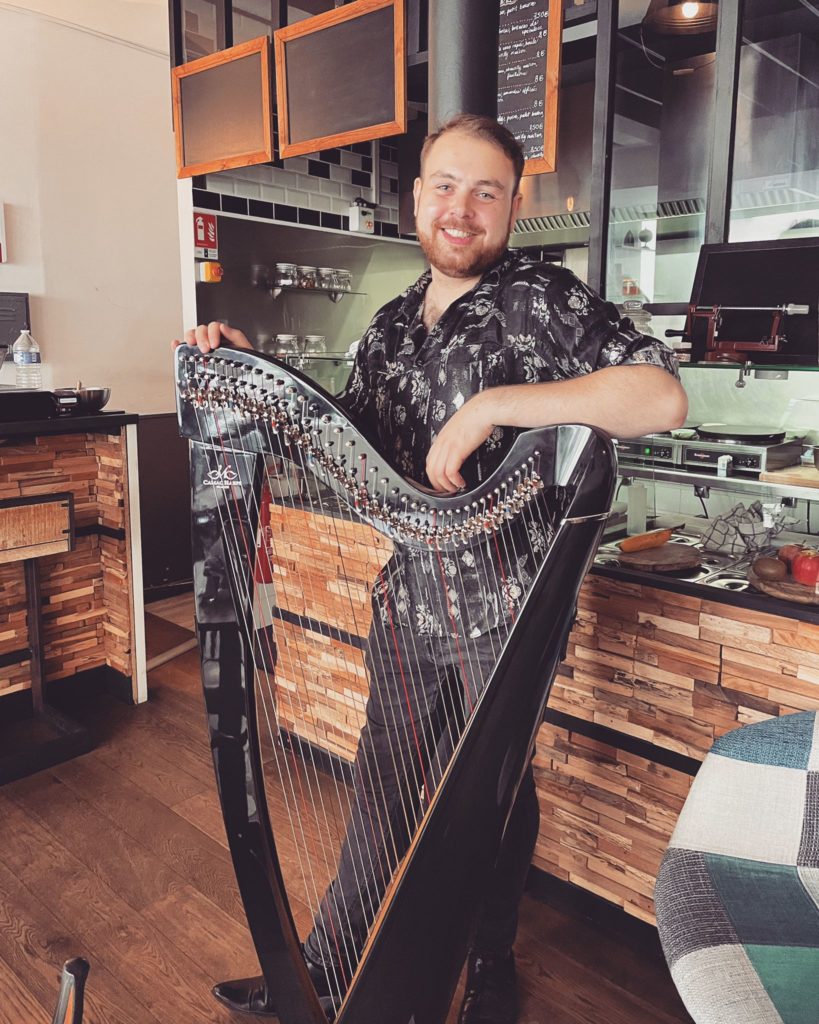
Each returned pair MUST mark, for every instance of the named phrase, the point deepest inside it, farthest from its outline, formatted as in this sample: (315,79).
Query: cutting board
(786,590)
(670,557)
(794,476)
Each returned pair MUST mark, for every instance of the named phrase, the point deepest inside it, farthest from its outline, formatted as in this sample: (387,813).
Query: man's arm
(625,401)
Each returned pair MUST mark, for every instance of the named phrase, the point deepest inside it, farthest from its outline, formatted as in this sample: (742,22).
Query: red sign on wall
(205,237)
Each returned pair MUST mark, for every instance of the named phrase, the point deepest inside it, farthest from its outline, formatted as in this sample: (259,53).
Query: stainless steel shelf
(737,483)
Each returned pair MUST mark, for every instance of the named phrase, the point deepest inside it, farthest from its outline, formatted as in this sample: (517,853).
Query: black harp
(257,427)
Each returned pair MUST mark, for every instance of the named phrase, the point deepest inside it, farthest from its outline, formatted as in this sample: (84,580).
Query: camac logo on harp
(222,477)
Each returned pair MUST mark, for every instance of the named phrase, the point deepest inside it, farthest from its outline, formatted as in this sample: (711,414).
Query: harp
(268,446)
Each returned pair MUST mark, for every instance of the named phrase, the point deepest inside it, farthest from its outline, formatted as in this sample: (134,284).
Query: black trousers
(421,688)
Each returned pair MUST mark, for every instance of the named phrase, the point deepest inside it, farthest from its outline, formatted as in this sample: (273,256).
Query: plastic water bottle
(26,354)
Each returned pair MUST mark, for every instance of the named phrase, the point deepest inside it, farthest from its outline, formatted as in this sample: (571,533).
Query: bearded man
(487,342)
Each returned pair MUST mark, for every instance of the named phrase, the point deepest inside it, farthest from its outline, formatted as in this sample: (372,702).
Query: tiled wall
(315,190)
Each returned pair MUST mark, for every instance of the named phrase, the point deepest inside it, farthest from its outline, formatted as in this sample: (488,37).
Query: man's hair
(483,128)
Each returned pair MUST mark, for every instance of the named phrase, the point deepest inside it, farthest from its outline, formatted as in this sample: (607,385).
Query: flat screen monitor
(751,279)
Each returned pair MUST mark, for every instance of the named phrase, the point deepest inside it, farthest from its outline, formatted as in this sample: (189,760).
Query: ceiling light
(681,17)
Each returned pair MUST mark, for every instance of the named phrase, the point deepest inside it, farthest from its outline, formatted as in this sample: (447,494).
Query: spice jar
(326,278)
(287,346)
(314,344)
(286,275)
(307,277)
(345,280)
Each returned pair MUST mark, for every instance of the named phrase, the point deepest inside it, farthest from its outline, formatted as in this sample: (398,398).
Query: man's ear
(416,195)
(517,199)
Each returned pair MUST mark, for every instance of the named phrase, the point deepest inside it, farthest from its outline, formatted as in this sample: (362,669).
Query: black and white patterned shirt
(523,323)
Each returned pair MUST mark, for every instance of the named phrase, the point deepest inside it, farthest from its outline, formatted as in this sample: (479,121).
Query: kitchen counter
(751,599)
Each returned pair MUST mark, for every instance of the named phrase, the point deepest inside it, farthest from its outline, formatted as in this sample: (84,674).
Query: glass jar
(345,280)
(326,278)
(307,277)
(285,275)
(287,346)
(314,344)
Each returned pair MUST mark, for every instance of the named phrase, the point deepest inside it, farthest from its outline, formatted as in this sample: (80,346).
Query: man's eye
(444,188)
(486,195)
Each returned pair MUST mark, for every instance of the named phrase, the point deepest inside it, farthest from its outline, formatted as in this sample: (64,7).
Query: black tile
(377,227)
(389,230)
(234,204)
(258,208)
(311,217)
(364,148)
(286,213)
(361,178)
(318,169)
(393,154)
(331,156)
(330,220)
(383,150)
(345,222)
(366,163)
(205,200)
(393,185)
(200,181)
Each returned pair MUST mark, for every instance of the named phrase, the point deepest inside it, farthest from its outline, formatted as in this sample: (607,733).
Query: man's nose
(462,204)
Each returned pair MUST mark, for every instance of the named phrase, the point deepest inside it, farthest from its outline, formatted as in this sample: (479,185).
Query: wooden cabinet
(92,611)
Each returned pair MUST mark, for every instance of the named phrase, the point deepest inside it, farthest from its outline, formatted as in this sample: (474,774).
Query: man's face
(464,204)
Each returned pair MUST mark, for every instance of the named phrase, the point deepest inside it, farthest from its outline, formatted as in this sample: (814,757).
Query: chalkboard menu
(528,73)
(341,77)
(222,115)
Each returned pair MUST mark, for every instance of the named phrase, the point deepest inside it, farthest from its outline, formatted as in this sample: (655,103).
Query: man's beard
(453,263)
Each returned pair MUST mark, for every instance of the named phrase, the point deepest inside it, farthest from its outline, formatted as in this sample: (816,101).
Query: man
(486,342)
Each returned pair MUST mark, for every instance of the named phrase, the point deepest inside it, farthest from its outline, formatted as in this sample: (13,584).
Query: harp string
(337,938)
(294,811)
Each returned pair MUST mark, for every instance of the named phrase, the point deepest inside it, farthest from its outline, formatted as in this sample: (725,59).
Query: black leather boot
(250,995)
(491,995)
(246,995)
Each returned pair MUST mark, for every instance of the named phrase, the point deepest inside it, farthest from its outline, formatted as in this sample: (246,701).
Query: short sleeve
(589,333)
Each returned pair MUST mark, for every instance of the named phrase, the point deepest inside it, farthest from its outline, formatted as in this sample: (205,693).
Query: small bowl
(91,400)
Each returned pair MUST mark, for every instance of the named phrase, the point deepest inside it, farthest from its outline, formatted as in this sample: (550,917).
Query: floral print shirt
(524,322)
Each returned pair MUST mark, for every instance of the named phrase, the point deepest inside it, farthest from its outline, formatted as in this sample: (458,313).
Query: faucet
(744,371)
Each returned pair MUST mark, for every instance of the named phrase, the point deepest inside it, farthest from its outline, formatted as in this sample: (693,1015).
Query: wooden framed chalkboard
(341,77)
(528,75)
(222,109)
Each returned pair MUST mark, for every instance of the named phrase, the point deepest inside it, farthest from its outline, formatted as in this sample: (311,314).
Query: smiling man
(486,342)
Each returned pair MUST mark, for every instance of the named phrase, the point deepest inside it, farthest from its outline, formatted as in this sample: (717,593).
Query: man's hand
(209,337)
(459,437)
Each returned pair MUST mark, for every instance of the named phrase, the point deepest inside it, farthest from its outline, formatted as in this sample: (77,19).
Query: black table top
(98,423)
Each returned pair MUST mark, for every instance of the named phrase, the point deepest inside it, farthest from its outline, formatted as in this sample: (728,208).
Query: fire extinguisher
(263,569)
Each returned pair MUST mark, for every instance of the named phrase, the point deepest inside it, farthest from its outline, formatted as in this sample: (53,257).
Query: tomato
(788,552)
(805,568)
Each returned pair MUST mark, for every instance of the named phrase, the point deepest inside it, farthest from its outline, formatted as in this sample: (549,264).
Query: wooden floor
(119,856)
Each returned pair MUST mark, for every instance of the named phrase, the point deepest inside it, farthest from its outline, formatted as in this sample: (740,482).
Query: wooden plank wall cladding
(671,670)
(86,612)
(324,569)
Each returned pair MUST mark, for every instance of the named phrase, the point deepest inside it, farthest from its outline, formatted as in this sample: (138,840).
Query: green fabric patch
(766,903)
(785,742)
(790,975)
